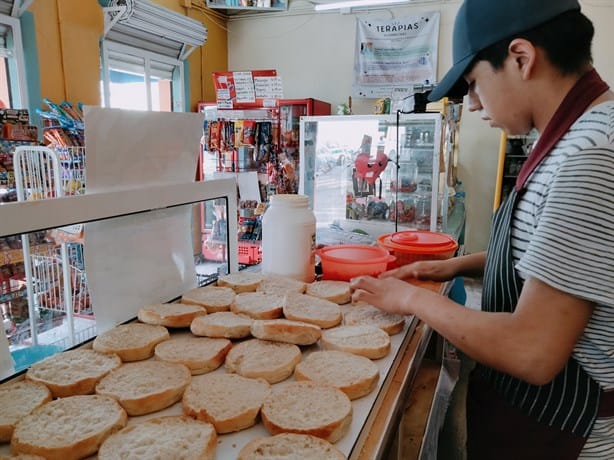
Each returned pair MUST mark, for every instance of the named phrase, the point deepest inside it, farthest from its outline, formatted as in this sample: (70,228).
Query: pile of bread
(80,402)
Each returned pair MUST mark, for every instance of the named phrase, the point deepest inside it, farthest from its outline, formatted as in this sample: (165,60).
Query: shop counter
(375,416)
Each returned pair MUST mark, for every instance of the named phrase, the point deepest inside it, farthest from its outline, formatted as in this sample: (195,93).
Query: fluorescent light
(356,3)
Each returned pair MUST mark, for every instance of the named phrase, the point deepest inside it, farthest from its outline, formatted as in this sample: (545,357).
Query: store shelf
(513,152)
(15,256)
(12,295)
(230,7)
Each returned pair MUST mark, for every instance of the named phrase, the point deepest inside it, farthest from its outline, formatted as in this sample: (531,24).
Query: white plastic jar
(288,238)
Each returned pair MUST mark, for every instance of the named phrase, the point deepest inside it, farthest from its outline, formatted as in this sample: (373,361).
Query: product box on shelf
(19,132)
(15,116)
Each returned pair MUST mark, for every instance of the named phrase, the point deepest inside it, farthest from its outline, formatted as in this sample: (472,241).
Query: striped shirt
(563,234)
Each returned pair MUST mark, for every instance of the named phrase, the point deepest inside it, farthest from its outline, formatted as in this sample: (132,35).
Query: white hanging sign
(395,53)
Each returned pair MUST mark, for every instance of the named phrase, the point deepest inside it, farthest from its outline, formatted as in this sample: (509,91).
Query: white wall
(314,54)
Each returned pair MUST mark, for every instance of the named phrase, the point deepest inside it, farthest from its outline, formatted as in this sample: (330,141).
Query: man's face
(498,96)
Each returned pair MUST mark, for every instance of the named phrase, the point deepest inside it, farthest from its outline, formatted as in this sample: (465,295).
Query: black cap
(482,23)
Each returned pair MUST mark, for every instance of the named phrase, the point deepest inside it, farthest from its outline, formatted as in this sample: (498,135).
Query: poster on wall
(247,89)
(393,54)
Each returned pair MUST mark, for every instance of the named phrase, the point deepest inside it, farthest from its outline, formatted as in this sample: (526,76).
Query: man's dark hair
(566,40)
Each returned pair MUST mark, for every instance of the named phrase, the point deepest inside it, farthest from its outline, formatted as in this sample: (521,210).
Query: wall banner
(393,54)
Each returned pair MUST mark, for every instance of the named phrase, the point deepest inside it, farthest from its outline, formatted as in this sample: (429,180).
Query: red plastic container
(413,245)
(346,261)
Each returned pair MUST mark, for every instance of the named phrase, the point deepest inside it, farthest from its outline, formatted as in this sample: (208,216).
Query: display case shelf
(513,152)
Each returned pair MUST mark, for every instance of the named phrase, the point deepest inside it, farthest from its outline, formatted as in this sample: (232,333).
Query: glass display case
(378,173)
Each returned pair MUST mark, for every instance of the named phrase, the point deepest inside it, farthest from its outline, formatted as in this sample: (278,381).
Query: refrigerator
(260,147)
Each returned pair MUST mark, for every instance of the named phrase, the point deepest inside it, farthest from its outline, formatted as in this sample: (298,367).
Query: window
(136,79)
(12,74)
(143,53)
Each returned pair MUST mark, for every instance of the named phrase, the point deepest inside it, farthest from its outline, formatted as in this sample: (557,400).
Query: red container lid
(355,254)
(418,242)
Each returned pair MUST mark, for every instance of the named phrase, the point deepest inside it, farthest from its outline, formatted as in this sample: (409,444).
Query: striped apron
(508,418)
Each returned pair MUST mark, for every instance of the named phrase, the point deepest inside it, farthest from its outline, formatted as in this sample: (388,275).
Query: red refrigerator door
(290,113)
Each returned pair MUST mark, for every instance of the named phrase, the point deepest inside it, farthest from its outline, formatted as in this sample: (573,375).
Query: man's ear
(524,55)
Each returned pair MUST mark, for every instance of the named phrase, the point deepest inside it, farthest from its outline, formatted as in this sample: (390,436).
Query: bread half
(21,457)
(229,401)
(199,354)
(131,342)
(224,324)
(170,314)
(290,446)
(255,358)
(314,310)
(73,372)
(308,408)
(287,331)
(241,282)
(68,428)
(259,305)
(176,437)
(355,375)
(365,340)
(211,298)
(18,399)
(368,314)
(146,386)
(331,290)
(281,285)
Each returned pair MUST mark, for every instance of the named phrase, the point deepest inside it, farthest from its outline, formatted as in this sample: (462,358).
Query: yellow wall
(68,34)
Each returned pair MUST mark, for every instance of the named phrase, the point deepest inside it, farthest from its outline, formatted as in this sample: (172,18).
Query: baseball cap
(481,23)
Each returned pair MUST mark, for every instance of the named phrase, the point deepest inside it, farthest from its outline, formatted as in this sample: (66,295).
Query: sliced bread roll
(365,340)
(290,446)
(171,437)
(314,310)
(170,314)
(224,324)
(131,342)
(307,408)
(281,285)
(146,386)
(18,399)
(73,372)
(285,330)
(368,314)
(355,375)
(331,290)
(229,401)
(68,428)
(255,358)
(199,354)
(258,305)
(21,457)
(241,282)
(211,298)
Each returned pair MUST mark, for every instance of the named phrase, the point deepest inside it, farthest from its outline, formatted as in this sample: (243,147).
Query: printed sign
(247,89)
(393,54)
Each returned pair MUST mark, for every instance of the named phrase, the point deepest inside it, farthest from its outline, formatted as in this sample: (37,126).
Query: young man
(543,387)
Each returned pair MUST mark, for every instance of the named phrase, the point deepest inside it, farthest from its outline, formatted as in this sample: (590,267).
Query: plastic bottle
(288,238)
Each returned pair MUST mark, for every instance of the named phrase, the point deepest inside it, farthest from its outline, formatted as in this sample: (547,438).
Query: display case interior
(378,173)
